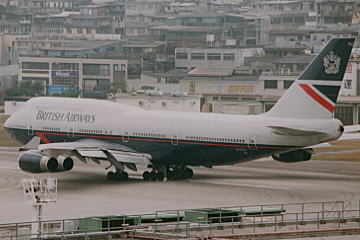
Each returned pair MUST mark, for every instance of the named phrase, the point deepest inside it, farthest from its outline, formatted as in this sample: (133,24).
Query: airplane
(54,131)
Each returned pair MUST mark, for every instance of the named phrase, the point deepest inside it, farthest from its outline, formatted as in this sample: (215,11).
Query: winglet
(33,144)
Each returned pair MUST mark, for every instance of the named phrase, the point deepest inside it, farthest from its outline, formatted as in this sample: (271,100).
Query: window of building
(213,56)
(198,56)
(36,79)
(96,69)
(181,56)
(287,84)
(35,65)
(65,66)
(171,80)
(299,19)
(275,20)
(270,84)
(229,56)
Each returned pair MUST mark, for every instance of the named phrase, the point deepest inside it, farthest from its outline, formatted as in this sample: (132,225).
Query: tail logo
(332,63)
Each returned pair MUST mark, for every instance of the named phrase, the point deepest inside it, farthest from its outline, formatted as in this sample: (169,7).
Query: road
(84,191)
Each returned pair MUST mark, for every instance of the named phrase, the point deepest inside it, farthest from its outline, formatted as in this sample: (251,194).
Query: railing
(172,224)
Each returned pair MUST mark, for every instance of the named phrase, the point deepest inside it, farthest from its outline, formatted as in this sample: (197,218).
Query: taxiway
(85,191)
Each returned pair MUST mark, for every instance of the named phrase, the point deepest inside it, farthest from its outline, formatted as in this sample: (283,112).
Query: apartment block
(229,58)
(80,73)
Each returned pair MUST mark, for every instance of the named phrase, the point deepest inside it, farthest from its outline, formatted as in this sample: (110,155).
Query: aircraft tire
(160,176)
(146,176)
(170,174)
(154,176)
(124,176)
(111,176)
(118,176)
(189,172)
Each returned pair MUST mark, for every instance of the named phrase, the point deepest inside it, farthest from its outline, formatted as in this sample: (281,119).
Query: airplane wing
(97,150)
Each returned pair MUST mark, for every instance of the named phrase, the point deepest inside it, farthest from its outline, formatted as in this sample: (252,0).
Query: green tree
(70,93)
(26,88)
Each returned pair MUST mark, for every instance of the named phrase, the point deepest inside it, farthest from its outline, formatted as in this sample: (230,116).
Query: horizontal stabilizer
(293,131)
(350,136)
(352,129)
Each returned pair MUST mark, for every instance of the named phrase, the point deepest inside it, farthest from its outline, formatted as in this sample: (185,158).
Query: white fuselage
(66,119)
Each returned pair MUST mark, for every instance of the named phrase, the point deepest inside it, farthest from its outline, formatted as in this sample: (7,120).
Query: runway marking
(239,184)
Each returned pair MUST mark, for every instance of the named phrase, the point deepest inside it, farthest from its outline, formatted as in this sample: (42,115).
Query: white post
(38,192)
(36,229)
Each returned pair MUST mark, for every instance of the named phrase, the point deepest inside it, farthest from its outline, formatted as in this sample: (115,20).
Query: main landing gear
(171,173)
(117,176)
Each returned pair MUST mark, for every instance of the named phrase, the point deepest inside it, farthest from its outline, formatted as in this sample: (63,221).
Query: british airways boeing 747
(56,131)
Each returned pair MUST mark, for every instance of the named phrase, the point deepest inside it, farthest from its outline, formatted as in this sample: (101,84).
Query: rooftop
(278,2)
(221,72)
(145,44)
(82,45)
(196,29)
(304,31)
(172,73)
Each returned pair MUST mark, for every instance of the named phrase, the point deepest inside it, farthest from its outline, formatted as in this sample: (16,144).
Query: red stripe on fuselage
(42,137)
(323,102)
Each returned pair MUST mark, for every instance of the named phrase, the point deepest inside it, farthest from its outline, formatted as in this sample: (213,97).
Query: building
(83,74)
(190,58)
(14,21)
(283,6)
(314,39)
(166,82)
(83,48)
(336,11)
(43,7)
(8,76)
(142,7)
(102,21)
(245,29)
(163,103)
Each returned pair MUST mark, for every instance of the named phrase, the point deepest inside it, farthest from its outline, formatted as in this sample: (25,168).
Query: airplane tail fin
(315,92)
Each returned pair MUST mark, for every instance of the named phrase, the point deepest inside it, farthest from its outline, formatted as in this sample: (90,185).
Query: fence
(191,223)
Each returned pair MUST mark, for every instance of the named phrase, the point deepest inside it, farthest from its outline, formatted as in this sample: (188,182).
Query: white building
(83,73)
(163,103)
(190,58)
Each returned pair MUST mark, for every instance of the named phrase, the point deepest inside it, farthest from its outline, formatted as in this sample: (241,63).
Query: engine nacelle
(294,156)
(65,163)
(37,163)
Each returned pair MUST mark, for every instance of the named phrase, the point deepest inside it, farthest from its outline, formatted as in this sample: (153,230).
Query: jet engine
(294,156)
(37,163)
(65,163)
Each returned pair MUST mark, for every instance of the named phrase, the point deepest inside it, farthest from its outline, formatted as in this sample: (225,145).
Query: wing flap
(130,157)
(92,153)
